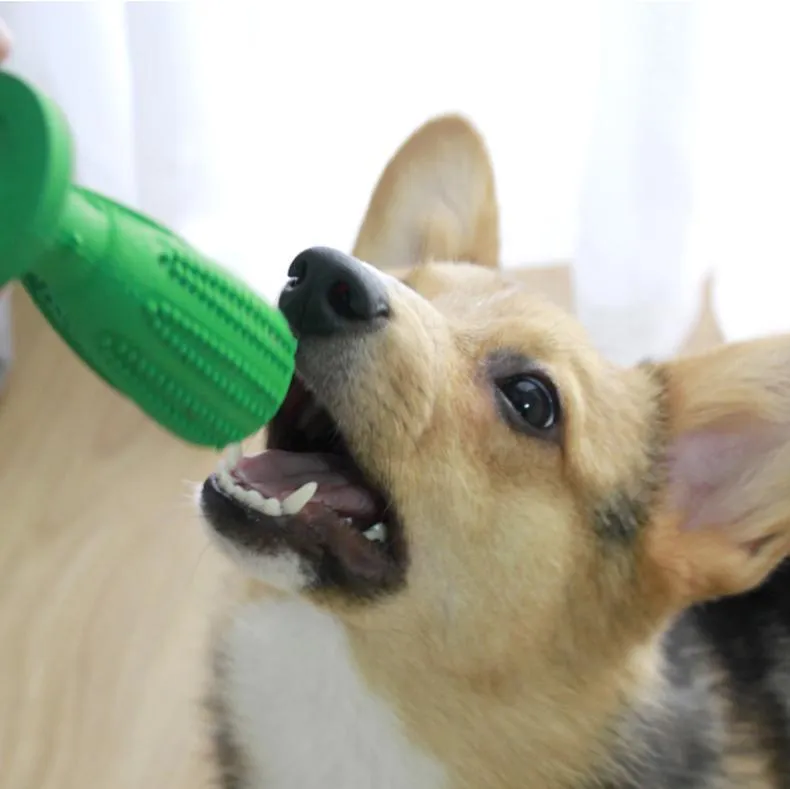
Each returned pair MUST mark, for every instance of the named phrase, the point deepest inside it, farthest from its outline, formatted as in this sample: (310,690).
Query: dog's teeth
(294,503)
(224,480)
(248,496)
(271,507)
(233,454)
(376,533)
(251,497)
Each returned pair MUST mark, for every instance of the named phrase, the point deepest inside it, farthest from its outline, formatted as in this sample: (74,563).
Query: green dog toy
(191,345)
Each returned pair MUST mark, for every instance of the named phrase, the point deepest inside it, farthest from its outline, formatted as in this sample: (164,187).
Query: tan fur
(747,387)
(458,218)
(540,639)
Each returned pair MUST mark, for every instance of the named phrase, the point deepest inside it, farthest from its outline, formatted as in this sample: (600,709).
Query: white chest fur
(302,715)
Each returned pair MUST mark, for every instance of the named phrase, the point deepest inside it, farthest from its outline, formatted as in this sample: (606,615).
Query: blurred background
(643,172)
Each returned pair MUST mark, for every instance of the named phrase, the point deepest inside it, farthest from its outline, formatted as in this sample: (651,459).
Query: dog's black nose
(332,293)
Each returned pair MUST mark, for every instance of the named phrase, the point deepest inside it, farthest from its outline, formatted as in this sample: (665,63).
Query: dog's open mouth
(307,494)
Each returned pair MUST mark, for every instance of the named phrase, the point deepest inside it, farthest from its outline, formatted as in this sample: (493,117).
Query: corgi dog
(475,554)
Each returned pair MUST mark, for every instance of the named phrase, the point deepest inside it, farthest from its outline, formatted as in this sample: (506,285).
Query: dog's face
(468,409)
(487,488)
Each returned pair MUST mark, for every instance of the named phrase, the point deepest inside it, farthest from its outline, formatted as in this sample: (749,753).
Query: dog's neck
(676,733)
(547,727)
(297,676)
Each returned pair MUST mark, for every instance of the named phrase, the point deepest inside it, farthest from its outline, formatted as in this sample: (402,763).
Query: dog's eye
(532,401)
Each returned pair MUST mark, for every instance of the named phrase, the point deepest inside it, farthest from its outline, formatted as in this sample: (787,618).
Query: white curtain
(644,141)
(688,173)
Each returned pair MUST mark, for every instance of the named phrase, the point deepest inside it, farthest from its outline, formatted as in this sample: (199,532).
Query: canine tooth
(271,507)
(376,533)
(296,500)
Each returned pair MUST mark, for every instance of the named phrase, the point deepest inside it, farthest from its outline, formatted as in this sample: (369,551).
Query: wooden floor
(106,586)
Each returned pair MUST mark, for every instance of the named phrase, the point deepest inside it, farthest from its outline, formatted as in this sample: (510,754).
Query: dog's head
(455,462)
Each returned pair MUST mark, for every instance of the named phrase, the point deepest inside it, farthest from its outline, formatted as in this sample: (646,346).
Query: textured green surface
(197,350)
(35,175)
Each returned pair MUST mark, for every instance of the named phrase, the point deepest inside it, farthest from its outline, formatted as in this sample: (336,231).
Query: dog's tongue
(276,473)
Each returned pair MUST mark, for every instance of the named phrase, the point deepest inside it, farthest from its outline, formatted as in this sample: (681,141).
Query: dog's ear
(435,201)
(725,522)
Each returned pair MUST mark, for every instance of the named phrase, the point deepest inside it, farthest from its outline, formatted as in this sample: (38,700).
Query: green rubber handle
(190,344)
